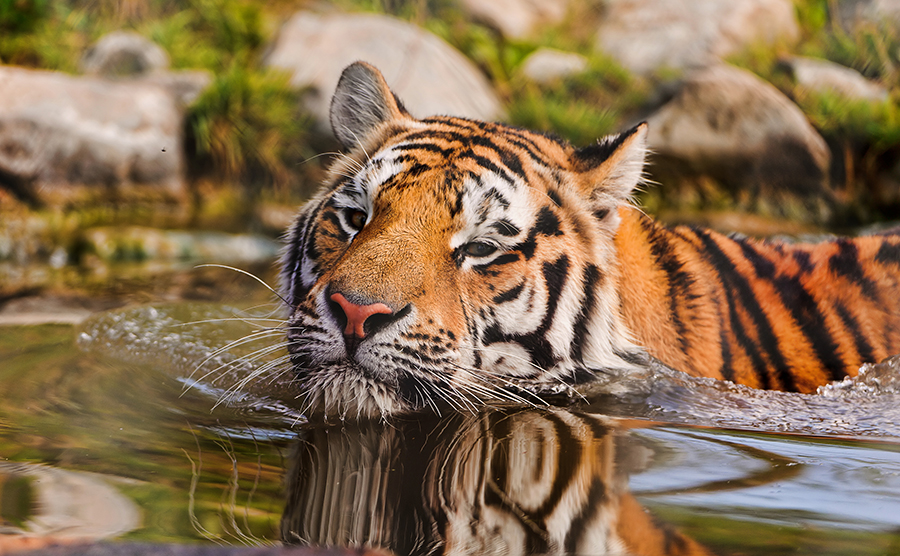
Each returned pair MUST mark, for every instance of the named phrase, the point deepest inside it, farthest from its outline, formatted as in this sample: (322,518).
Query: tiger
(504,482)
(451,262)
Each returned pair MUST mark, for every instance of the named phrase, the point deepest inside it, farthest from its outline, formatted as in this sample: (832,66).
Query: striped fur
(513,264)
(499,483)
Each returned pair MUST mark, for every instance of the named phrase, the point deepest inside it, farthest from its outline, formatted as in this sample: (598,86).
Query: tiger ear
(612,168)
(361,103)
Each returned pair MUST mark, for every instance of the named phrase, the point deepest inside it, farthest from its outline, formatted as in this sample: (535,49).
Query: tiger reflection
(526,482)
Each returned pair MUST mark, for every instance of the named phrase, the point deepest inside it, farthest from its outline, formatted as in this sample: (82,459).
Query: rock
(546,64)
(185,86)
(645,35)
(727,123)
(517,18)
(139,243)
(854,13)
(818,75)
(429,75)
(70,506)
(122,54)
(67,139)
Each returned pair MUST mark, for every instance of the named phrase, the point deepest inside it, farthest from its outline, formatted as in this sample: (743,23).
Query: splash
(237,358)
(863,406)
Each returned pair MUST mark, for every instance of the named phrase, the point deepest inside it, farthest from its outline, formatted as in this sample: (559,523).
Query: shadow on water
(144,400)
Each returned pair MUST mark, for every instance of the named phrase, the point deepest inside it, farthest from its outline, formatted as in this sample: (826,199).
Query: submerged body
(765,314)
(450,261)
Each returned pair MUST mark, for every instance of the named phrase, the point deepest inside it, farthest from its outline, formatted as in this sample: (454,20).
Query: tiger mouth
(346,387)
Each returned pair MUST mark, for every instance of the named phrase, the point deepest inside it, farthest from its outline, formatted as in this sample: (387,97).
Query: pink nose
(357,314)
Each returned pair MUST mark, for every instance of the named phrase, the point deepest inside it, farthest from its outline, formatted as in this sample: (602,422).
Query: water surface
(210,445)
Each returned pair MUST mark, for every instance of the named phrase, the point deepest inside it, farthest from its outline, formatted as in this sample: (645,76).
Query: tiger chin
(454,263)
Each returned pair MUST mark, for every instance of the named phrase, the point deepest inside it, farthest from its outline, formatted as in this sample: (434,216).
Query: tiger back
(451,262)
(765,314)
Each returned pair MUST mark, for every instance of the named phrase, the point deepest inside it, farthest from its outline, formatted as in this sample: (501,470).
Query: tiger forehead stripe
(465,139)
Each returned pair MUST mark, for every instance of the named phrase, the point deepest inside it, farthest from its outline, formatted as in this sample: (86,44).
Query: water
(210,444)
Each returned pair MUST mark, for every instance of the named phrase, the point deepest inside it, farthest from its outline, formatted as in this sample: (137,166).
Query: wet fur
(580,282)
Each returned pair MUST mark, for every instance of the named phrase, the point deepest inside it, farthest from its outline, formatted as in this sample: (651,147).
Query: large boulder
(429,75)
(823,76)
(517,18)
(731,125)
(68,139)
(122,54)
(645,35)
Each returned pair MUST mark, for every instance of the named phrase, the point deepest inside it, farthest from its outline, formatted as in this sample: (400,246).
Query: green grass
(581,108)
(248,126)
(248,131)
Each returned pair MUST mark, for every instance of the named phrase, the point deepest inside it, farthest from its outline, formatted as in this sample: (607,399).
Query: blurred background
(139,138)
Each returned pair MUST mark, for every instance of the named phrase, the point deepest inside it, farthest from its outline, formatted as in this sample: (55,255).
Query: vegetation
(864,136)
(248,129)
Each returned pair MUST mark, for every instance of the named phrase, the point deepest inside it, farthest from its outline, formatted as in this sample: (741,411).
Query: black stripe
(530,148)
(339,234)
(529,246)
(508,157)
(536,343)
(473,331)
(803,261)
(566,473)
(806,312)
(417,170)
(506,258)
(554,196)
(457,207)
(589,508)
(296,238)
(888,253)
(499,471)
(312,252)
(428,138)
(547,223)
(736,284)
(865,350)
(678,281)
(804,309)
(567,466)
(509,294)
(494,194)
(580,327)
(506,228)
(846,263)
(487,163)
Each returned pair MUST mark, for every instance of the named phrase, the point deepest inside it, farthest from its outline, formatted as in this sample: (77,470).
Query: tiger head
(454,262)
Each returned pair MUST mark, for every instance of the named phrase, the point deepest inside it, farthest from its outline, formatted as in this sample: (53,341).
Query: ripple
(200,345)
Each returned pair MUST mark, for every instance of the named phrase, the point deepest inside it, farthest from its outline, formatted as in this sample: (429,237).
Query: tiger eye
(357,219)
(479,249)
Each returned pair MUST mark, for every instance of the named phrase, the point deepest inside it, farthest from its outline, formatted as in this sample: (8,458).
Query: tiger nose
(357,315)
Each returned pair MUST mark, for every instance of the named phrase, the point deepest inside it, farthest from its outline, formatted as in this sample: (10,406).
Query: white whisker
(250,274)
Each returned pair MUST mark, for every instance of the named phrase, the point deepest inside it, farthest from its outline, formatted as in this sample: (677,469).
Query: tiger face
(452,262)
